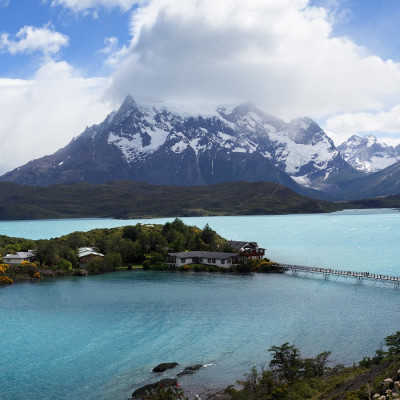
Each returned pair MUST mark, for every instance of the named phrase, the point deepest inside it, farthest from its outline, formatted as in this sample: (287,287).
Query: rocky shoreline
(173,384)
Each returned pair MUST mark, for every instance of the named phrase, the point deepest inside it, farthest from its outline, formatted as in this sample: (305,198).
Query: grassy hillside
(125,199)
(392,201)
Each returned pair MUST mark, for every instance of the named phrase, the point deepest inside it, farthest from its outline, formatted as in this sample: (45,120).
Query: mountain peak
(189,144)
(368,154)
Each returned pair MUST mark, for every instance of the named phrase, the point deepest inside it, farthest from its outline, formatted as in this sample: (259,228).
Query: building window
(209,260)
(222,261)
(213,260)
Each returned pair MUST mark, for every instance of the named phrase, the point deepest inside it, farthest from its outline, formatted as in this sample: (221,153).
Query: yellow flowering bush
(3,268)
(28,264)
(37,275)
(5,280)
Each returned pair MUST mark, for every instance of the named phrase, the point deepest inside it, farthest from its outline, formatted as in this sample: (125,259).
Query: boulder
(164,366)
(144,390)
(190,370)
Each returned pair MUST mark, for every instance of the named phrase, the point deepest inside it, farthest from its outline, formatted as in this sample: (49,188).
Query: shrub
(5,280)
(29,269)
(3,268)
(146,264)
(157,257)
(28,264)
(37,275)
(64,264)
(113,261)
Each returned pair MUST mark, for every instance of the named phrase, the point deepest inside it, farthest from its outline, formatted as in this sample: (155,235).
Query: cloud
(347,124)
(30,39)
(41,115)
(279,55)
(87,5)
(113,53)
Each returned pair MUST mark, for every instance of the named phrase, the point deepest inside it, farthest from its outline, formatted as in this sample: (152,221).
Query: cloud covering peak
(279,55)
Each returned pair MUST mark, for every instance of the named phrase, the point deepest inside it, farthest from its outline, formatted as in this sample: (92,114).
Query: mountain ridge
(367,154)
(176,145)
(127,199)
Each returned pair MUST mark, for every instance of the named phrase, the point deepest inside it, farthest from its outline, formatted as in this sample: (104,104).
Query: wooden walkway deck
(360,277)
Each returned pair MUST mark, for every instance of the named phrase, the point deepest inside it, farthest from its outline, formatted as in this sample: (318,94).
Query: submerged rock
(144,390)
(164,366)
(190,370)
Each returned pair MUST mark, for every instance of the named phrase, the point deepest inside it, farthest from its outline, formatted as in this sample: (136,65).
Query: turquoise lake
(98,337)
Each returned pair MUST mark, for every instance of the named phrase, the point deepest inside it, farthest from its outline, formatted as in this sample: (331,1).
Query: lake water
(361,240)
(98,337)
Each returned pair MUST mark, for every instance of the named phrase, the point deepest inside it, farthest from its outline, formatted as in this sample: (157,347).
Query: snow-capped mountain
(183,145)
(367,154)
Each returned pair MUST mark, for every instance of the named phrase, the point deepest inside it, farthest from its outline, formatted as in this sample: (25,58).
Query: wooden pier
(359,277)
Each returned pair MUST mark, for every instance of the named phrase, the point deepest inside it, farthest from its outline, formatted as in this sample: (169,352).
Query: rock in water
(190,370)
(144,390)
(164,366)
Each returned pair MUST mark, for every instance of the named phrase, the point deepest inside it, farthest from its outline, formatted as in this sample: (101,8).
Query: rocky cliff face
(177,145)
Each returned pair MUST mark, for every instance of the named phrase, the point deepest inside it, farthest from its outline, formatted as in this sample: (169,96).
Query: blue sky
(86,35)
(65,64)
(373,24)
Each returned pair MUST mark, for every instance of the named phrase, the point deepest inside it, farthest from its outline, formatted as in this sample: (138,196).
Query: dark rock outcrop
(164,366)
(144,390)
(190,370)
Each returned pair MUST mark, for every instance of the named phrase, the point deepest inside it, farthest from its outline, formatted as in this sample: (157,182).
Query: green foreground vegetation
(291,377)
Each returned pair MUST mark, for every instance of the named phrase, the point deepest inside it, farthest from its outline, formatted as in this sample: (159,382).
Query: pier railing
(360,277)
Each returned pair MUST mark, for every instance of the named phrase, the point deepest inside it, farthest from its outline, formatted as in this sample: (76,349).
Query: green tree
(317,366)
(208,236)
(64,264)
(393,343)
(285,362)
(112,261)
(131,232)
(76,240)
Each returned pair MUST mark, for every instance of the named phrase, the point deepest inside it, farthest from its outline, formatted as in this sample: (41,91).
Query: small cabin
(248,250)
(18,257)
(87,254)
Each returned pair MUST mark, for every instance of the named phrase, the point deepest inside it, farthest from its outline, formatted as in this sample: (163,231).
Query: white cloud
(343,125)
(114,54)
(31,39)
(279,54)
(86,5)
(41,115)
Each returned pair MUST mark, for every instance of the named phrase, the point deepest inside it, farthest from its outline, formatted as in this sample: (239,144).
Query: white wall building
(224,260)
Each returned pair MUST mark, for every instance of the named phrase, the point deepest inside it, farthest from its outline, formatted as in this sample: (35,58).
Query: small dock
(359,277)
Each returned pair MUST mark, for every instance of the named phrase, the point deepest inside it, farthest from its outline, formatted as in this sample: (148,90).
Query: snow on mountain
(191,145)
(367,154)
